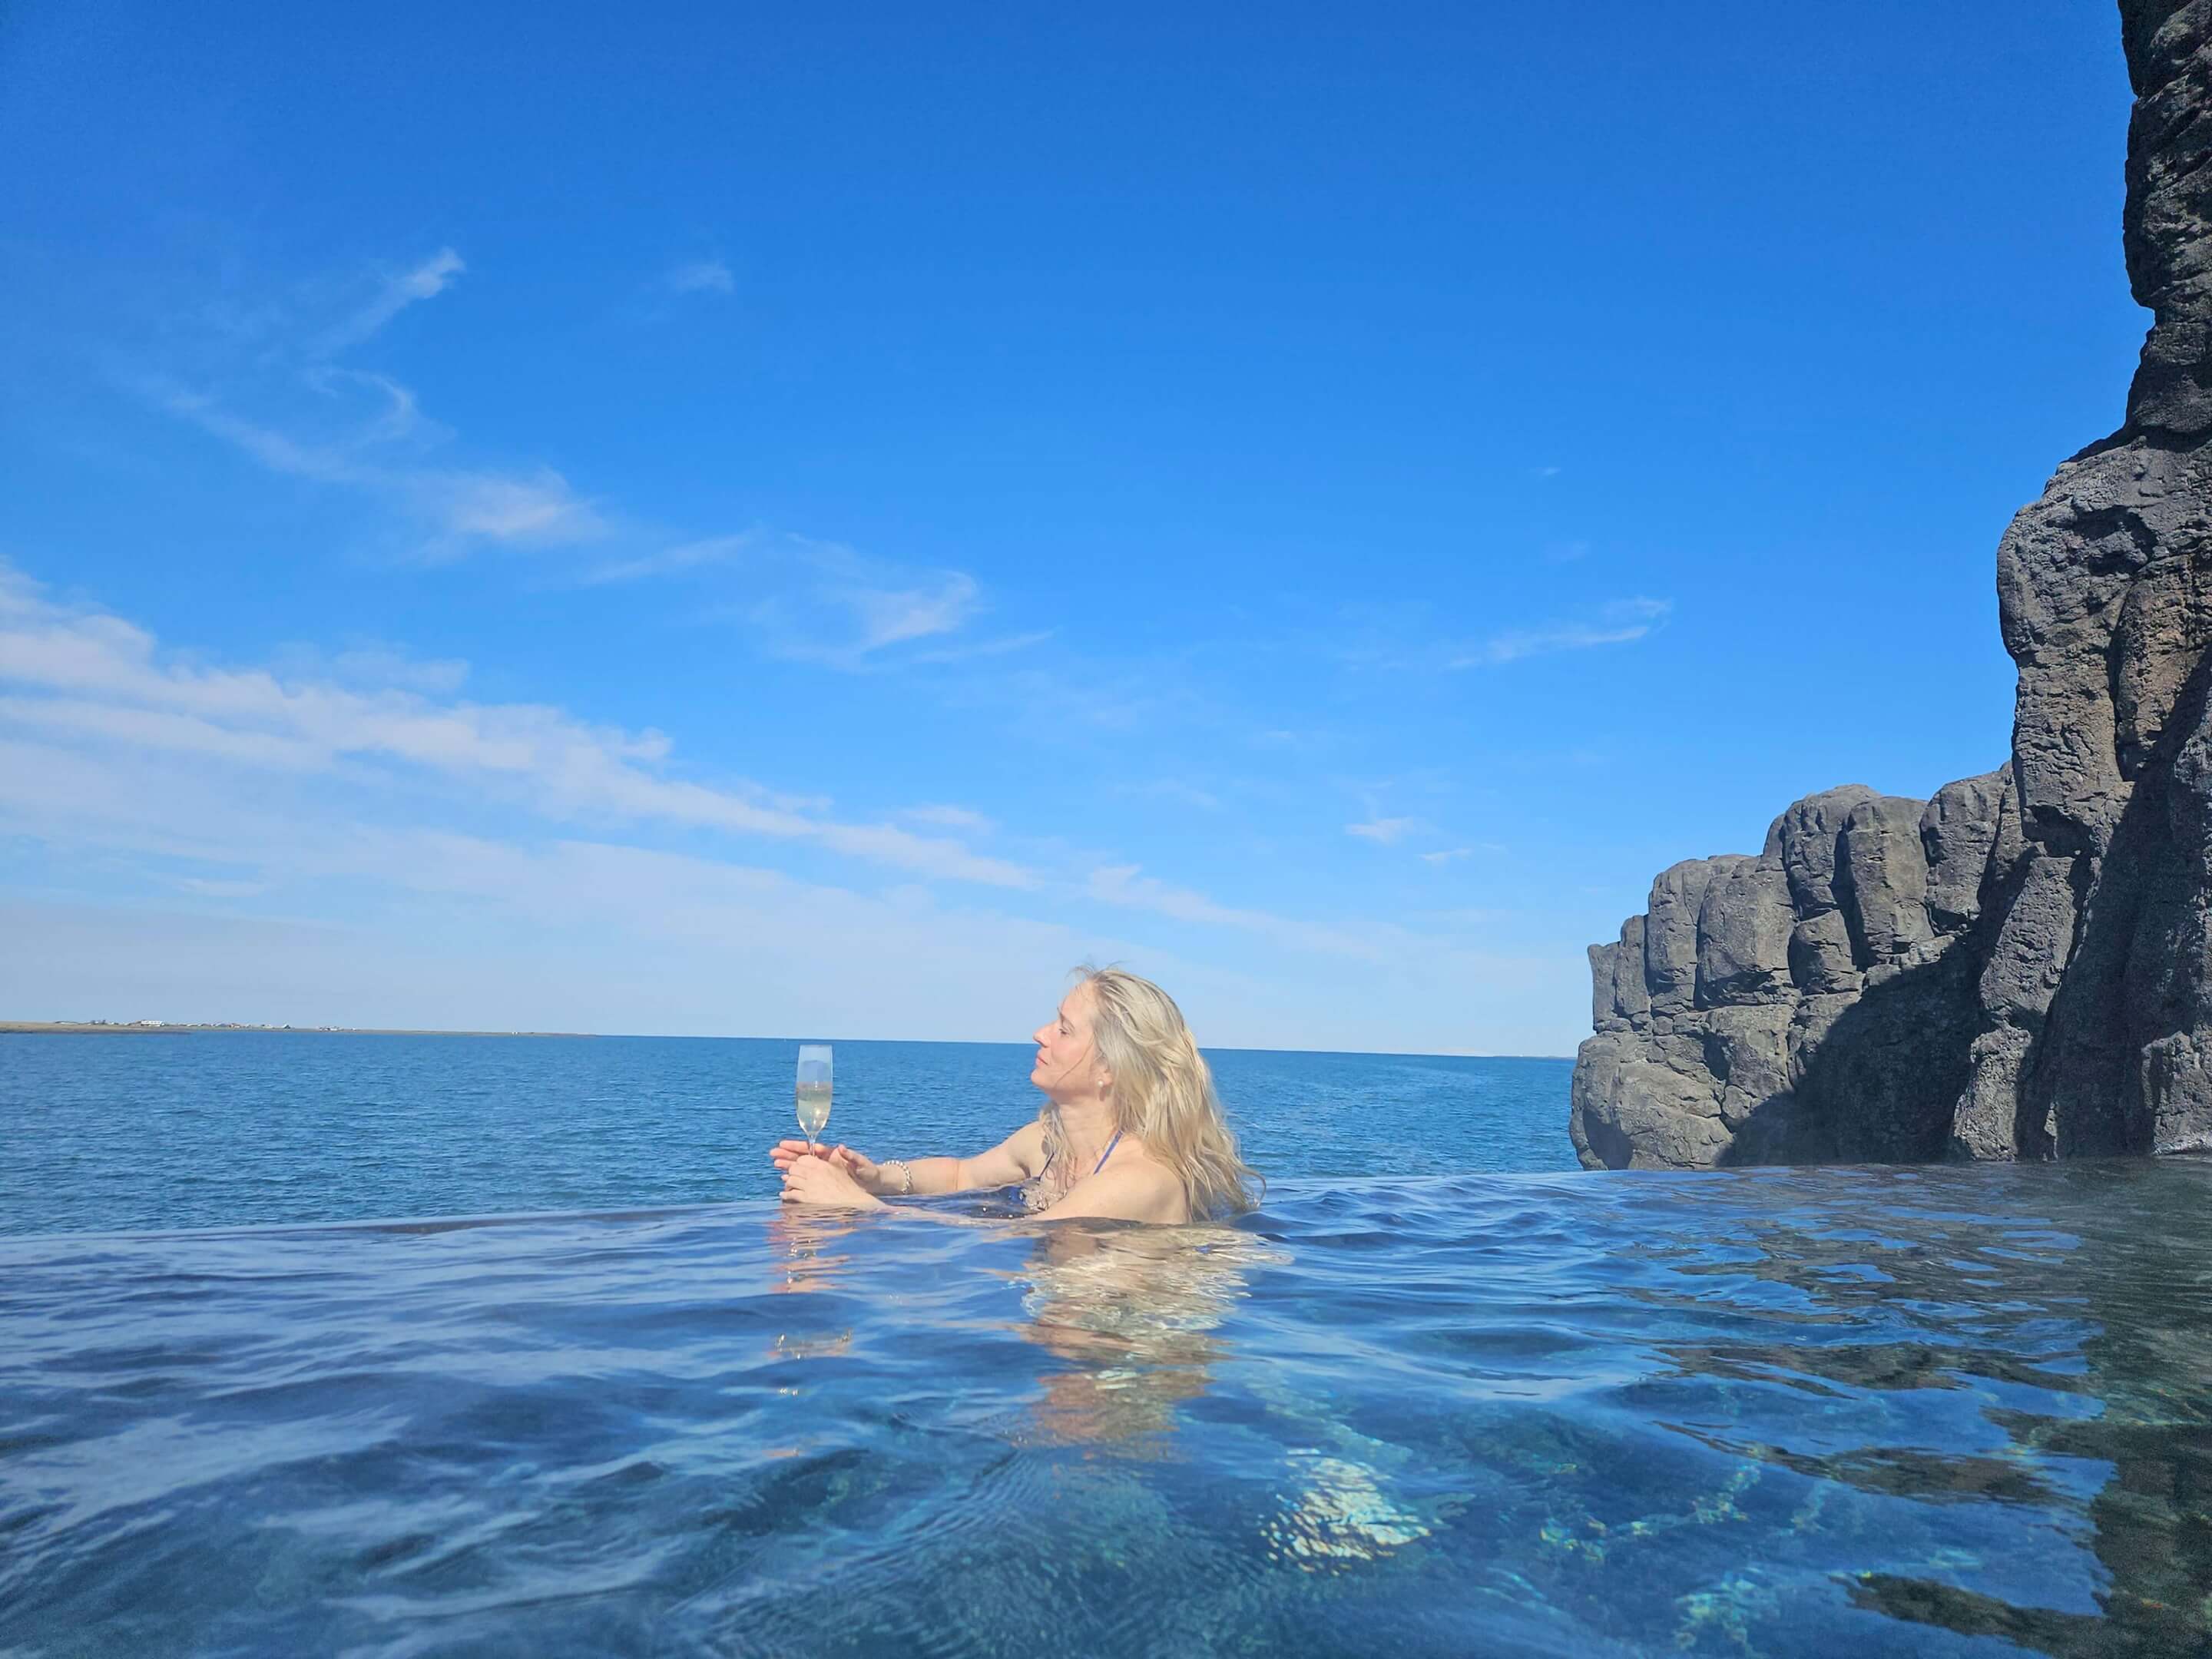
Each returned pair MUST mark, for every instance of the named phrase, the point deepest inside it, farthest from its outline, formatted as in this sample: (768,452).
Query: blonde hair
(1163,1092)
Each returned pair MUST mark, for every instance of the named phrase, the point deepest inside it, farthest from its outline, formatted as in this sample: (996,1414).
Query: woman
(1131,1127)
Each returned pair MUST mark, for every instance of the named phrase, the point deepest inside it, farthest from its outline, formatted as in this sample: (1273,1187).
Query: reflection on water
(1131,1312)
(803,1243)
(2146,1377)
(1961,1412)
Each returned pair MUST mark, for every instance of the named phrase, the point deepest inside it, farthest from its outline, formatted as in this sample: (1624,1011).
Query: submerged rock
(2023,966)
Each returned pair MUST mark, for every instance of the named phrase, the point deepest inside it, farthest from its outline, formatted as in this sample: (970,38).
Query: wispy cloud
(1000,646)
(536,509)
(422,281)
(363,833)
(1127,884)
(892,616)
(1387,832)
(399,419)
(828,605)
(1618,623)
(700,553)
(572,934)
(379,451)
(274,450)
(700,276)
(947,817)
(805,598)
(823,602)
(89,679)
(1448,854)
(370,666)
(458,509)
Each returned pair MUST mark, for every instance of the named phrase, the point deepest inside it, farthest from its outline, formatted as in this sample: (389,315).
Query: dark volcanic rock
(1881,880)
(1743,935)
(2022,968)
(1957,832)
(1807,1033)
(1670,932)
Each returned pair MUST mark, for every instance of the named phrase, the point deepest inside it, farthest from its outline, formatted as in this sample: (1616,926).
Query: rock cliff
(2020,968)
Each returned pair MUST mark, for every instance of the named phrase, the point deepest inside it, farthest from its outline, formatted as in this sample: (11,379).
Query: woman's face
(1066,1064)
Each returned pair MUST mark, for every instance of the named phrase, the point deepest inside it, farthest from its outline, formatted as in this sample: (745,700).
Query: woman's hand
(859,1167)
(814,1179)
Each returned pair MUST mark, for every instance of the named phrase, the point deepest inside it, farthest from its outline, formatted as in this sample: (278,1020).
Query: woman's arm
(1012,1160)
(1016,1157)
(1141,1193)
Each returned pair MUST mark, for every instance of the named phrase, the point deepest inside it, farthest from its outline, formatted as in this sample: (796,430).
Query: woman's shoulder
(1027,1146)
(1143,1175)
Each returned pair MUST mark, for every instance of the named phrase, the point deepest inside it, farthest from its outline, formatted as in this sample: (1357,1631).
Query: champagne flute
(813,1089)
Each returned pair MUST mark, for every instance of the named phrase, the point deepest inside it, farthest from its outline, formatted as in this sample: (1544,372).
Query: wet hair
(1162,1092)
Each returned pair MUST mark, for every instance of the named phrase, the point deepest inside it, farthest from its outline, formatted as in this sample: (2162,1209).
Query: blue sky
(793,520)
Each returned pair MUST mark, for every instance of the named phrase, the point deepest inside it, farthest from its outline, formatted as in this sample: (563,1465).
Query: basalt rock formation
(2020,968)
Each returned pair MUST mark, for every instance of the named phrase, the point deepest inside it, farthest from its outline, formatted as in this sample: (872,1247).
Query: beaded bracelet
(906,1175)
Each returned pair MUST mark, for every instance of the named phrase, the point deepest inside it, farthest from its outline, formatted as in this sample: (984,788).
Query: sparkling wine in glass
(813,1089)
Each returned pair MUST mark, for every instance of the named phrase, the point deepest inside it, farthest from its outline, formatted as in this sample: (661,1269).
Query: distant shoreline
(175,1028)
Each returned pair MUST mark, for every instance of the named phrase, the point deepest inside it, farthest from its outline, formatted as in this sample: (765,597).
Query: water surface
(1952,1411)
(118,1131)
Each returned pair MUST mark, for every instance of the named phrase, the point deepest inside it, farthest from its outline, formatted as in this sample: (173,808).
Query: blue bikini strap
(1108,1153)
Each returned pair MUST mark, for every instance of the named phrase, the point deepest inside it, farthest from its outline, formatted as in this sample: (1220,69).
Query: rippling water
(1953,1411)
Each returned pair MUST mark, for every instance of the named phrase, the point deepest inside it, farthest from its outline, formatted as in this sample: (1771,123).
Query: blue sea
(263,1389)
(101,1133)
